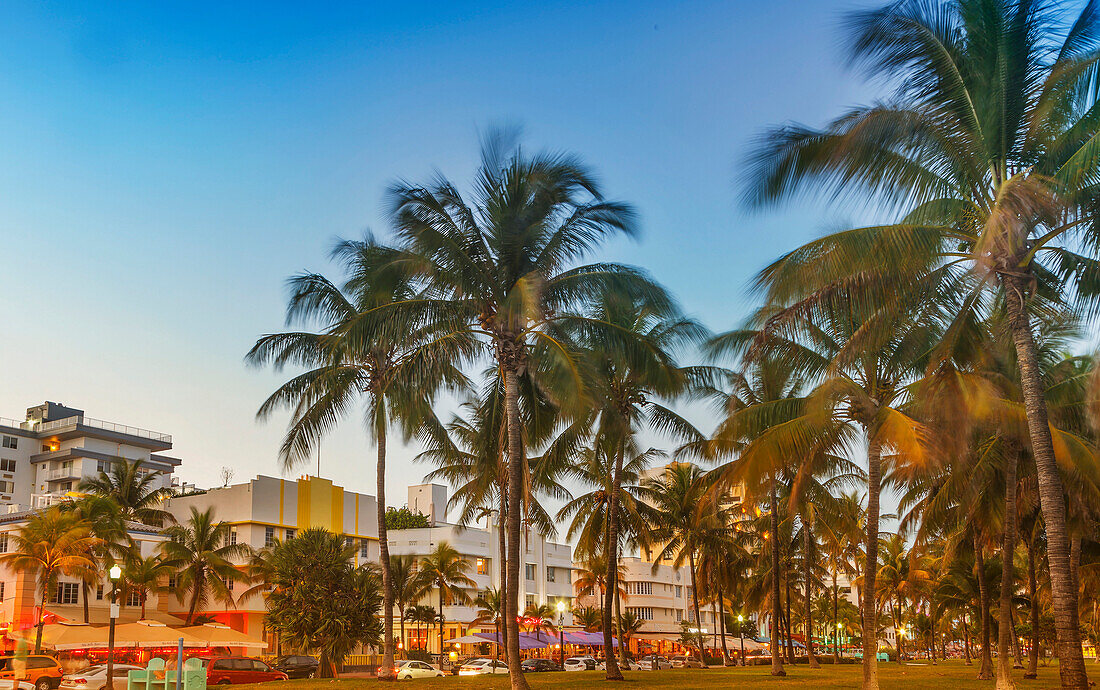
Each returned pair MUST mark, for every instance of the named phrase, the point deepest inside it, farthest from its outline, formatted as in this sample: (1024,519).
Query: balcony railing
(46,427)
(15,423)
(54,475)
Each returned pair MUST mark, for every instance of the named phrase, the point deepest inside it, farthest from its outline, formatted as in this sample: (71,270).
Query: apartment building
(266,509)
(546,572)
(45,455)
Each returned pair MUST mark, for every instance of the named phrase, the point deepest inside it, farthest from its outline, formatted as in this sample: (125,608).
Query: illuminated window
(482,566)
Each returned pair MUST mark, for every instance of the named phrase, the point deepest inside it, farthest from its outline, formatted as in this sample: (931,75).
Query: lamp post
(561,633)
(839,651)
(114,574)
(741,635)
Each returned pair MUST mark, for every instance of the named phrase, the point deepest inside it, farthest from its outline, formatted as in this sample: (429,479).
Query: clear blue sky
(167,165)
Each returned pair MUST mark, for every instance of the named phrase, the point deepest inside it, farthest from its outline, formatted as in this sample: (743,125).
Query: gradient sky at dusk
(168,165)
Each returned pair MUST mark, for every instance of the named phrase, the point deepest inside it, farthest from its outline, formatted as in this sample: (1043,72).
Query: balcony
(64,473)
(71,423)
(46,500)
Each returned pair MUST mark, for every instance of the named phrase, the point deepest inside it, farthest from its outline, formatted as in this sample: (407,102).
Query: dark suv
(297,666)
(538,666)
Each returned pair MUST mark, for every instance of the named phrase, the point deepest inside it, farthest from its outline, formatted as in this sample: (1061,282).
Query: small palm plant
(446,569)
(200,552)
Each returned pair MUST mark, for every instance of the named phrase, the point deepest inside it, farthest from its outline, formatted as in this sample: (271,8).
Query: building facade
(546,572)
(45,456)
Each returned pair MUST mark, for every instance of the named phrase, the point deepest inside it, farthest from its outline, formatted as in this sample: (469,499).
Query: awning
(66,636)
(216,635)
(526,640)
(63,636)
(147,633)
(469,639)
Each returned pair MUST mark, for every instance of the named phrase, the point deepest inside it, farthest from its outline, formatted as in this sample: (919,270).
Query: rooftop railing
(46,427)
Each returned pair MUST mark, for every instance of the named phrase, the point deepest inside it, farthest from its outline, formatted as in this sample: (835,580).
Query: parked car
(411,668)
(538,666)
(232,670)
(41,671)
(297,665)
(684,661)
(580,663)
(482,667)
(630,665)
(653,663)
(95,678)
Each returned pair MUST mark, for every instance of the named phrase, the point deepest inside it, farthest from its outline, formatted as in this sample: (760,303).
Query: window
(7,465)
(229,585)
(173,581)
(364,548)
(133,597)
(643,612)
(99,592)
(258,665)
(679,591)
(529,571)
(269,536)
(348,542)
(11,442)
(639,588)
(550,573)
(103,466)
(4,542)
(290,534)
(232,535)
(67,593)
(482,566)
(679,615)
(1,591)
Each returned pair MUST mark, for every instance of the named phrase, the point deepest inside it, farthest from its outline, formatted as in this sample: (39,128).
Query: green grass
(943,676)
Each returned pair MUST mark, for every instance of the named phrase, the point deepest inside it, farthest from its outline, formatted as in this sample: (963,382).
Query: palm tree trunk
(1071,662)
(870,569)
(809,540)
(1033,611)
(612,667)
(787,625)
(197,586)
(695,603)
(985,670)
(515,490)
(966,640)
(144,597)
(619,628)
(1017,658)
(836,620)
(777,661)
(441,624)
(84,589)
(42,612)
(722,620)
(404,640)
(388,671)
(900,638)
(502,544)
(1005,633)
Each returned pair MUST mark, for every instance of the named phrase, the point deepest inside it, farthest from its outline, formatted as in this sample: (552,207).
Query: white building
(546,571)
(45,455)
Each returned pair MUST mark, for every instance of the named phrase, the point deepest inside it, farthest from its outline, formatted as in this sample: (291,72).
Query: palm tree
(504,268)
(146,574)
(625,389)
(394,364)
(133,489)
(52,543)
(590,618)
(540,617)
(631,625)
(445,569)
(490,608)
(988,143)
(200,553)
(409,585)
(684,518)
(421,614)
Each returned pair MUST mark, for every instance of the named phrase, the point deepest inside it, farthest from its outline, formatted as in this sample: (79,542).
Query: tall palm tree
(626,389)
(52,543)
(503,266)
(409,585)
(684,518)
(445,569)
(133,489)
(200,553)
(392,364)
(988,144)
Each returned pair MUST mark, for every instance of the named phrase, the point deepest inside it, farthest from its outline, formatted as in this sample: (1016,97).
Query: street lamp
(561,632)
(839,627)
(114,574)
(740,634)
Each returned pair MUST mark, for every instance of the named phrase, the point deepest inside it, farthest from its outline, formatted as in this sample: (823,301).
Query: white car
(411,668)
(580,663)
(95,678)
(482,667)
(629,666)
(653,663)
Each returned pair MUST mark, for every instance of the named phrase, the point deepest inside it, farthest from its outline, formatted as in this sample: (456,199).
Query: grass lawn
(943,676)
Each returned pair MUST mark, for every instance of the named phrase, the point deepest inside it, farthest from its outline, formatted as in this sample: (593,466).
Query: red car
(232,670)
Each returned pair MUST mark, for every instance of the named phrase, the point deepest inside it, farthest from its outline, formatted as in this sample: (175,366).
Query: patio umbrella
(469,639)
(595,639)
(64,636)
(146,633)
